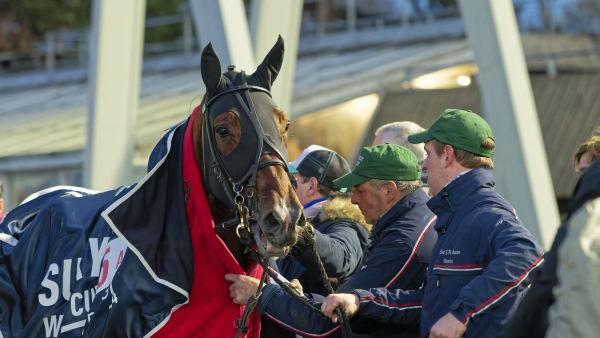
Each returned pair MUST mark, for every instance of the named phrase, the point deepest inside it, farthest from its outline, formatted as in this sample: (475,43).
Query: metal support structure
(114,87)
(269,18)
(224,23)
(351,15)
(50,51)
(188,35)
(405,18)
(520,158)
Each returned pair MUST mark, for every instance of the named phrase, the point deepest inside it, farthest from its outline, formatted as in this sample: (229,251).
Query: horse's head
(245,149)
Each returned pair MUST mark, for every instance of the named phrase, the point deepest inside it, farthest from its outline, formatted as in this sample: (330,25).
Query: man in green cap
(388,192)
(483,255)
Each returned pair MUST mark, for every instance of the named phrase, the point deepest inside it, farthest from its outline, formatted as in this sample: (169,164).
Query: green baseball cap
(461,129)
(382,162)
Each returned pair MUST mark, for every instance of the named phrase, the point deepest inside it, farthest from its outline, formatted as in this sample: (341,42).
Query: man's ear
(448,155)
(390,190)
(314,185)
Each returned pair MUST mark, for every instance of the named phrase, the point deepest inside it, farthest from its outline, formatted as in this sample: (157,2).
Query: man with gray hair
(397,133)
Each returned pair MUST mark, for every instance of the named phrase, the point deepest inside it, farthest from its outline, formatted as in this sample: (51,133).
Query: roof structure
(53,119)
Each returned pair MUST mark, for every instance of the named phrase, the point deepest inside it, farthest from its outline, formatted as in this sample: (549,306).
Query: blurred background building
(361,63)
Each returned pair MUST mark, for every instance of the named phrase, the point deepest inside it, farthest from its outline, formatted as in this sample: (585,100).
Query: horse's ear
(211,69)
(268,70)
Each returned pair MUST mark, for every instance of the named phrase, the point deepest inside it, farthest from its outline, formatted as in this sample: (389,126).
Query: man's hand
(242,287)
(347,301)
(295,284)
(447,327)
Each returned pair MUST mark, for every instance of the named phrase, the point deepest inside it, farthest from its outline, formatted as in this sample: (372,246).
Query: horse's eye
(287,126)
(222,131)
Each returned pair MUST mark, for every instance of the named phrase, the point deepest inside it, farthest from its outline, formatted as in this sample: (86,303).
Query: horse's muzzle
(279,226)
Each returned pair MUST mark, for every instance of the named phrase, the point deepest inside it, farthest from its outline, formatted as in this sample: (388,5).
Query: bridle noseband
(225,187)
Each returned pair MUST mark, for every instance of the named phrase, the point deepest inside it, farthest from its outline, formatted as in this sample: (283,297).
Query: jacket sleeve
(576,310)
(286,311)
(392,307)
(339,248)
(513,254)
(391,263)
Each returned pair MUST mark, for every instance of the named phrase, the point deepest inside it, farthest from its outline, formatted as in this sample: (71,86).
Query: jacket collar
(458,190)
(403,206)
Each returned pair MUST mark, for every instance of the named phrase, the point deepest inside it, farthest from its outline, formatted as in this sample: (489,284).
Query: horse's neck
(220,212)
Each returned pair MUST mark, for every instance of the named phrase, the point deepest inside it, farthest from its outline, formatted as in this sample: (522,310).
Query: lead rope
(343,319)
(244,227)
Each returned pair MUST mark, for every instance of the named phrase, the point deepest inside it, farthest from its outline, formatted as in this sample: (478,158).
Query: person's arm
(339,248)
(288,312)
(276,304)
(393,263)
(392,307)
(514,254)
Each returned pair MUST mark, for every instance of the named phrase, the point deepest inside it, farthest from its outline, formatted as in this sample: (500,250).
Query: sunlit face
(303,189)
(369,201)
(435,166)
(584,161)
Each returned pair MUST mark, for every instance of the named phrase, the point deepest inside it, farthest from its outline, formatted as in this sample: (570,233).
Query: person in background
(587,152)
(387,190)
(397,133)
(576,308)
(479,265)
(563,297)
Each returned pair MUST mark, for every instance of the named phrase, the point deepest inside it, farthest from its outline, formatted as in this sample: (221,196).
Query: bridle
(240,194)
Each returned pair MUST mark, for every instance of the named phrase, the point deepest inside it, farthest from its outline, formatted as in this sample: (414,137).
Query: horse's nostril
(271,222)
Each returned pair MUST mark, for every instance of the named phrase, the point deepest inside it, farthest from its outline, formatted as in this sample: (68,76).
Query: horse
(228,122)
(150,258)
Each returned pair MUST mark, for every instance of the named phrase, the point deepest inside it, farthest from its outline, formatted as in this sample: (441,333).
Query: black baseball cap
(324,164)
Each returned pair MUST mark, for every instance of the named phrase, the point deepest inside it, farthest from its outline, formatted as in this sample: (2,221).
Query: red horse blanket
(210,311)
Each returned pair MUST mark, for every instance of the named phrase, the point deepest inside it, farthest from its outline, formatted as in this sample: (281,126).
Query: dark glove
(304,247)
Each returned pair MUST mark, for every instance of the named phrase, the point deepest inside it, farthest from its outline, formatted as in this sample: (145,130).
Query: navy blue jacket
(480,263)
(397,257)
(340,242)
(113,264)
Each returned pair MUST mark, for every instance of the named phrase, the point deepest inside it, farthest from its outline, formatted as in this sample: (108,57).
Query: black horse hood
(249,98)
